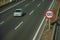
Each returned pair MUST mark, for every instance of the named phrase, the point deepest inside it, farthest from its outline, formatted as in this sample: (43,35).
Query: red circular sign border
(46,16)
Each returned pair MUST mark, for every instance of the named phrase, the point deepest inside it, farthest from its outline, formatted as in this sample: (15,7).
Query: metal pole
(49,24)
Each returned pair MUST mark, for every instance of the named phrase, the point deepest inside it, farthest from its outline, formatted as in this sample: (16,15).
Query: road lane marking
(18,25)
(43,29)
(12,6)
(51,5)
(42,22)
(33,0)
(31,12)
(38,29)
(43,0)
(34,9)
(26,5)
(2,22)
(38,4)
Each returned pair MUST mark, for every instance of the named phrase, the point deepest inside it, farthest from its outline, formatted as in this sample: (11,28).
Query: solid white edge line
(51,5)
(38,29)
(18,25)
(41,23)
(12,6)
(43,29)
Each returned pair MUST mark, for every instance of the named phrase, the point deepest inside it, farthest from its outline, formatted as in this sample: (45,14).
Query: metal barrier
(55,28)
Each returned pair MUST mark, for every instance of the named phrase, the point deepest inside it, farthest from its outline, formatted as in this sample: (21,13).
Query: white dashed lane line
(31,12)
(2,22)
(18,25)
(33,0)
(26,5)
(38,4)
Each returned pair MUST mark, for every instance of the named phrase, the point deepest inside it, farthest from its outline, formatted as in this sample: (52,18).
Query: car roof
(18,9)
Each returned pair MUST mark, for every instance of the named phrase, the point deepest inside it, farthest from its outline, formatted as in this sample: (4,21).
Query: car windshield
(18,10)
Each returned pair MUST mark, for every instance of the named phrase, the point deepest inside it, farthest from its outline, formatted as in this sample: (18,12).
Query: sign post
(49,24)
(49,14)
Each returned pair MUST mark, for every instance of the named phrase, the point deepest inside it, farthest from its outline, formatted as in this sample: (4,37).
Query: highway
(23,28)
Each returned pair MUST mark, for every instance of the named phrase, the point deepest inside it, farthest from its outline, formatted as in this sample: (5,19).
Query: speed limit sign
(49,14)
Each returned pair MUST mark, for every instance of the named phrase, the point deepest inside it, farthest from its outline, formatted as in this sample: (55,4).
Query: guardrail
(55,27)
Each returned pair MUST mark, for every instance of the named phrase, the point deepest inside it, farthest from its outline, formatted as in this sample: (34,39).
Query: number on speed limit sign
(49,14)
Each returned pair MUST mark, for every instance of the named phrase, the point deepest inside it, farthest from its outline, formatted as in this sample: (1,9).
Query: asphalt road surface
(23,28)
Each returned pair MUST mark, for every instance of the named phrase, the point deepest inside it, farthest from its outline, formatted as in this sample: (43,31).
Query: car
(18,12)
